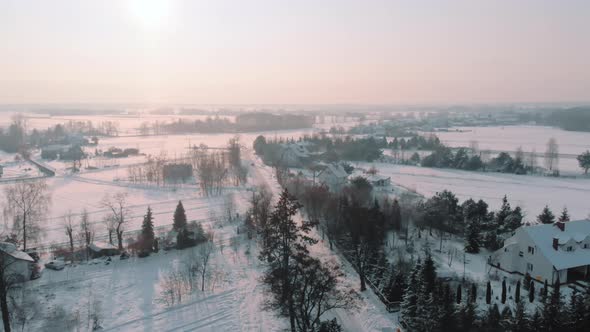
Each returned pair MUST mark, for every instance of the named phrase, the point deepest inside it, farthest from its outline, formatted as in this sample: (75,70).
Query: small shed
(18,264)
(99,249)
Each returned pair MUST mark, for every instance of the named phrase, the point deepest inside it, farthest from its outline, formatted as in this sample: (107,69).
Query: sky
(294,52)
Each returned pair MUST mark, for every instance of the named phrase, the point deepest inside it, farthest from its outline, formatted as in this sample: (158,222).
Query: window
(529,267)
(585,245)
(531,250)
(520,254)
(570,248)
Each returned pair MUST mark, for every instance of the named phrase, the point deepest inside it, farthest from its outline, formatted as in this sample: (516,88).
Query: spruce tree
(532,292)
(503,298)
(536,319)
(147,231)
(179,218)
(458,294)
(473,238)
(517,292)
(447,310)
(506,317)
(552,310)
(544,292)
(546,217)
(564,217)
(520,321)
(428,273)
(502,214)
(488,293)
(492,318)
(410,300)
(576,311)
(467,315)
(473,293)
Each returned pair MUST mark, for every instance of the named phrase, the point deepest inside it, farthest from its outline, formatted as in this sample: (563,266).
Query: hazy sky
(294,51)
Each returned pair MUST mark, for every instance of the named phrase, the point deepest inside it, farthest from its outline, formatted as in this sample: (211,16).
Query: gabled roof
(377,177)
(298,150)
(10,249)
(336,170)
(543,235)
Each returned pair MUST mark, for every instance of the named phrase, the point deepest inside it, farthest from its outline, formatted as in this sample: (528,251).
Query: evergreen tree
(552,310)
(514,220)
(458,294)
(147,231)
(488,293)
(467,315)
(520,321)
(473,293)
(428,273)
(492,319)
(517,292)
(576,312)
(565,217)
(503,298)
(179,218)
(585,324)
(285,242)
(447,310)
(546,217)
(396,216)
(544,292)
(506,317)
(532,292)
(473,238)
(503,213)
(408,305)
(536,319)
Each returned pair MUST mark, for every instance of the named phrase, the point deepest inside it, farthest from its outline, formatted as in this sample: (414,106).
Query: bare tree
(86,233)
(109,222)
(532,160)
(117,206)
(200,259)
(229,206)
(26,202)
(68,224)
(552,154)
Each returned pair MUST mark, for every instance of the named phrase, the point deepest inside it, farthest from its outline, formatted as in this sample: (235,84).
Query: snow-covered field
(532,193)
(510,138)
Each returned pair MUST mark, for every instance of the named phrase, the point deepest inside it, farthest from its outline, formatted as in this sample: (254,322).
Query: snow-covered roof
(376,177)
(297,149)
(336,170)
(98,246)
(10,249)
(543,236)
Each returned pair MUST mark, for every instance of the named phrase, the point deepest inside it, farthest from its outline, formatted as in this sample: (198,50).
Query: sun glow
(151,14)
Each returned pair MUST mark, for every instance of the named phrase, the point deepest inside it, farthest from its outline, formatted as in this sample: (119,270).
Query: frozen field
(509,138)
(532,193)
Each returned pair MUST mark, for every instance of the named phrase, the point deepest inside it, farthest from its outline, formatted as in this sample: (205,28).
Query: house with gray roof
(548,252)
(17,264)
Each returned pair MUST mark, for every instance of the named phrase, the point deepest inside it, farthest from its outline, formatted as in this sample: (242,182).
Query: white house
(377,180)
(16,263)
(548,252)
(334,176)
(294,154)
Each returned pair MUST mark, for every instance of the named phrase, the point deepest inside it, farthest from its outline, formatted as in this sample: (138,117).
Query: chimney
(561,225)
(555,243)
